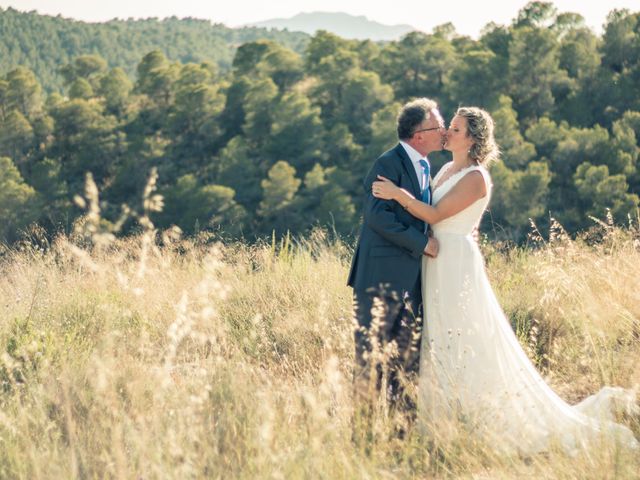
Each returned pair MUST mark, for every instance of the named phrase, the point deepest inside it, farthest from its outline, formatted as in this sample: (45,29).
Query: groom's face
(429,134)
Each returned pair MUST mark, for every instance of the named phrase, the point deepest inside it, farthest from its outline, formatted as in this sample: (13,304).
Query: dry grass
(201,360)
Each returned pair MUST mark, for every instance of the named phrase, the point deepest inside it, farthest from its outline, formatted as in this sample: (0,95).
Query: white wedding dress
(473,368)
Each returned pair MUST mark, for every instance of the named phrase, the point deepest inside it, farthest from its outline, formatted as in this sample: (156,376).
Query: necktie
(426,192)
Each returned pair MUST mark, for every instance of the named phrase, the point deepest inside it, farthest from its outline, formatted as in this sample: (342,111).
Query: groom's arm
(380,216)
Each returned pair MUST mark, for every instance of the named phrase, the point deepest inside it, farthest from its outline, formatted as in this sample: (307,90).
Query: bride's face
(456,137)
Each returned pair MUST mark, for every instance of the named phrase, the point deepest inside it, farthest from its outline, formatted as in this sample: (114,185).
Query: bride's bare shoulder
(474,181)
(485,175)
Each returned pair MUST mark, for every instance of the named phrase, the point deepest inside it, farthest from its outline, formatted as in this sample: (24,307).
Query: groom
(387,261)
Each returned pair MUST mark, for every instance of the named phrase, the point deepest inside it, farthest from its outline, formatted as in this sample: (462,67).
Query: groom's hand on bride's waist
(431,250)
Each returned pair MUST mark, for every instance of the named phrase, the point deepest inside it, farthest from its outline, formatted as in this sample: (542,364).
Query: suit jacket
(392,241)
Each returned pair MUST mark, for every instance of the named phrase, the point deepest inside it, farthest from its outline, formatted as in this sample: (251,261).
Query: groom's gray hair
(413,114)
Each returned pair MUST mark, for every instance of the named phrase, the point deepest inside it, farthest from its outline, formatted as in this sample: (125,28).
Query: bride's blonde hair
(480,128)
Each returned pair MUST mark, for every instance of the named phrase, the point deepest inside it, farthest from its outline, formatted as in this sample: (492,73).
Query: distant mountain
(342,24)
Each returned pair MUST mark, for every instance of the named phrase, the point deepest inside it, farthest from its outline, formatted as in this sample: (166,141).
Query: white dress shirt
(415,158)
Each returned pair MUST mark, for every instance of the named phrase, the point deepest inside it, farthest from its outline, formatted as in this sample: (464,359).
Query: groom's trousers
(387,340)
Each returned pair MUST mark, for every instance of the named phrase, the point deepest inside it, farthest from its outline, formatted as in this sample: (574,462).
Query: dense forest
(278,137)
(44,43)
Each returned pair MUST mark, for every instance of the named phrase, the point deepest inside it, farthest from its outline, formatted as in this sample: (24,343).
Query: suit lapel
(411,171)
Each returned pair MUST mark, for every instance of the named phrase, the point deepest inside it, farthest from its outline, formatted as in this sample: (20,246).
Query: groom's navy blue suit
(387,264)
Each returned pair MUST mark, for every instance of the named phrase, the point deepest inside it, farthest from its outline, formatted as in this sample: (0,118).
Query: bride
(472,366)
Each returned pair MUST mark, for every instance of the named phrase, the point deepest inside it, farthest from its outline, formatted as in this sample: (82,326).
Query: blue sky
(468,16)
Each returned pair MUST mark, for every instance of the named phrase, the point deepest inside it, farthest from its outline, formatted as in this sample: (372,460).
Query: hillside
(342,24)
(282,142)
(44,43)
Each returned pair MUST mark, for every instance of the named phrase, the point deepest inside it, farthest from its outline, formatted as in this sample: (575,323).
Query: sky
(468,16)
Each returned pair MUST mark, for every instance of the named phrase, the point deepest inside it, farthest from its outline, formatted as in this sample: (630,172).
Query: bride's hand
(384,188)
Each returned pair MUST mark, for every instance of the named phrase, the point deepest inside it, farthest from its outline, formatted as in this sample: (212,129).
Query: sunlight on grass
(158,357)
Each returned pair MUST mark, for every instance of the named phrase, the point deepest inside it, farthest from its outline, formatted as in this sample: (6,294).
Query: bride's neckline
(448,166)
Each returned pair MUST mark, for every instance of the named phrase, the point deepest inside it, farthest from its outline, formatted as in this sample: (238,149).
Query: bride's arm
(469,189)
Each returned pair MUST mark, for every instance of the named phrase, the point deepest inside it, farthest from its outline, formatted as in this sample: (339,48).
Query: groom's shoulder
(391,155)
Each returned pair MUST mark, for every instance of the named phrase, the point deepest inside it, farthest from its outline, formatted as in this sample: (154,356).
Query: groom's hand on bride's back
(431,250)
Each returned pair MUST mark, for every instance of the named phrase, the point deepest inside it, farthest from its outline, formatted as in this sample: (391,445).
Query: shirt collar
(414,155)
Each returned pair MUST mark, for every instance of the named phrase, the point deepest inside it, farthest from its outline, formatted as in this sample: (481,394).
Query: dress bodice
(466,220)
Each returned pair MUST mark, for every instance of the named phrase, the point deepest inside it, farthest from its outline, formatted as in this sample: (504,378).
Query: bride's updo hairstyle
(480,128)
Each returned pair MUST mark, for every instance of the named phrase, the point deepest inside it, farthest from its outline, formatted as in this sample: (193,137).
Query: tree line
(280,142)
(43,43)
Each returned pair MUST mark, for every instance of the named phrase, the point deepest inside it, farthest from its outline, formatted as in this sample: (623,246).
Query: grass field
(126,359)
